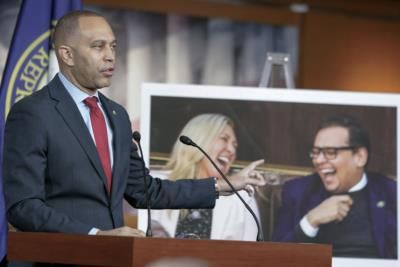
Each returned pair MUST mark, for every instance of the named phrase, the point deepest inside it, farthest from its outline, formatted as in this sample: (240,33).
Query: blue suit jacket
(53,178)
(301,195)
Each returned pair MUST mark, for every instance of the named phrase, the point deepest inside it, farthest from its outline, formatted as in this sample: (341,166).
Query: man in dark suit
(341,204)
(69,159)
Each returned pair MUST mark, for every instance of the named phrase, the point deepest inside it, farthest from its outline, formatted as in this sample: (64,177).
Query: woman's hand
(246,179)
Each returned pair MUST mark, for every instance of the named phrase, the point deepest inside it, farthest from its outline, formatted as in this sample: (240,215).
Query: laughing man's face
(340,174)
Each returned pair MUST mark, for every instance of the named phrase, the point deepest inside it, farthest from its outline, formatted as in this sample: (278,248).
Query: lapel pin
(114,112)
(380,204)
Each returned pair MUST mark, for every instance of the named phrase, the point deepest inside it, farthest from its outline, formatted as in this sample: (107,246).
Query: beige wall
(344,45)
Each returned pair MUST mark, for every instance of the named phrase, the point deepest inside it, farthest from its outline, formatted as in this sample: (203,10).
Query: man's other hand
(332,209)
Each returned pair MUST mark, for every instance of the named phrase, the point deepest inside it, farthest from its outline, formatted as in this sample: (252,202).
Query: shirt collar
(361,184)
(77,94)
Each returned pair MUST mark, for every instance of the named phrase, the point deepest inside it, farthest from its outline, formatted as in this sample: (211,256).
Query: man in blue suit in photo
(69,160)
(341,204)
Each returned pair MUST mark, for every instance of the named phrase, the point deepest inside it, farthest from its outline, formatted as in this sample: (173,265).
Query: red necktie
(100,136)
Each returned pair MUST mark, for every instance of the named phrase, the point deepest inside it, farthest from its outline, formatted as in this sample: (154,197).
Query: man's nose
(110,54)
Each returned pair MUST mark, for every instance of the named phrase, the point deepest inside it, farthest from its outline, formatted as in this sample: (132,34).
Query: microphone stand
(187,141)
(136,136)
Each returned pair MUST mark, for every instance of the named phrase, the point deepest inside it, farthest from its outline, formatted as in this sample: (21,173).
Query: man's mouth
(327,173)
(108,72)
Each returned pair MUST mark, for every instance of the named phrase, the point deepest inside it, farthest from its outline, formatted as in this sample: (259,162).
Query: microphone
(136,136)
(187,141)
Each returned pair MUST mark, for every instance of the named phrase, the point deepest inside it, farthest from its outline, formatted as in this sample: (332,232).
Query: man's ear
(65,54)
(361,157)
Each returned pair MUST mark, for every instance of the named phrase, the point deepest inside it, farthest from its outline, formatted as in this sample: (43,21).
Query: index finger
(254,164)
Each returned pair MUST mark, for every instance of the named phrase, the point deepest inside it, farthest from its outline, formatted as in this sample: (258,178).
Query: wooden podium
(128,251)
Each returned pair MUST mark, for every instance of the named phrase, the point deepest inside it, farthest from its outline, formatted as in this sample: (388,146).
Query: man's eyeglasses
(329,153)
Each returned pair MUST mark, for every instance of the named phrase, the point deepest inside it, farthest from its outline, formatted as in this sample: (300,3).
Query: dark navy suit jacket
(301,195)
(53,177)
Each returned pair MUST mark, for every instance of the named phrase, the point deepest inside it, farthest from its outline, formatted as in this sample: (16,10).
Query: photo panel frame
(277,125)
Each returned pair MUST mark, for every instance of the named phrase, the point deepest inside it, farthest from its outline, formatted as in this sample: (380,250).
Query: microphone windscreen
(186,140)
(136,136)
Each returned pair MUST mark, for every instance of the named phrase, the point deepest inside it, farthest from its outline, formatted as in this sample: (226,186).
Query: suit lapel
(315,194)
(73,118)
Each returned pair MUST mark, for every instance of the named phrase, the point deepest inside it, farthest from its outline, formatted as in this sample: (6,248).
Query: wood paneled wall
(281,133)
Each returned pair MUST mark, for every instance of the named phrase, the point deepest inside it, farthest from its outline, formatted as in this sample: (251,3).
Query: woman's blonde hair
(203,130)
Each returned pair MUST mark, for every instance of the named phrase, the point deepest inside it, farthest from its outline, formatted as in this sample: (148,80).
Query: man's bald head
(68,26)
(85,49)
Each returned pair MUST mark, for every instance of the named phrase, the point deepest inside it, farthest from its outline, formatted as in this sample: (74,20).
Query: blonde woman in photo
(229,219)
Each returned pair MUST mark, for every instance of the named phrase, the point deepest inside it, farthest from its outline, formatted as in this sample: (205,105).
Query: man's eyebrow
(104,40)
(99,41)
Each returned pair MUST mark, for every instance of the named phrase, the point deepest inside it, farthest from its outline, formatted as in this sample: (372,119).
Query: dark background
(281,133)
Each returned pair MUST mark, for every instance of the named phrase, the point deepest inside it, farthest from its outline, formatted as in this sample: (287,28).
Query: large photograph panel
(280,126)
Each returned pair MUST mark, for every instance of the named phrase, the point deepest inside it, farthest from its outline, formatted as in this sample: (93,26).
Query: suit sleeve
(182,194)
(24,174)
(287,225)
(391,242)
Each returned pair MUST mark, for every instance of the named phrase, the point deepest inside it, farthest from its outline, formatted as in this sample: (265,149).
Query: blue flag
(27,66)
